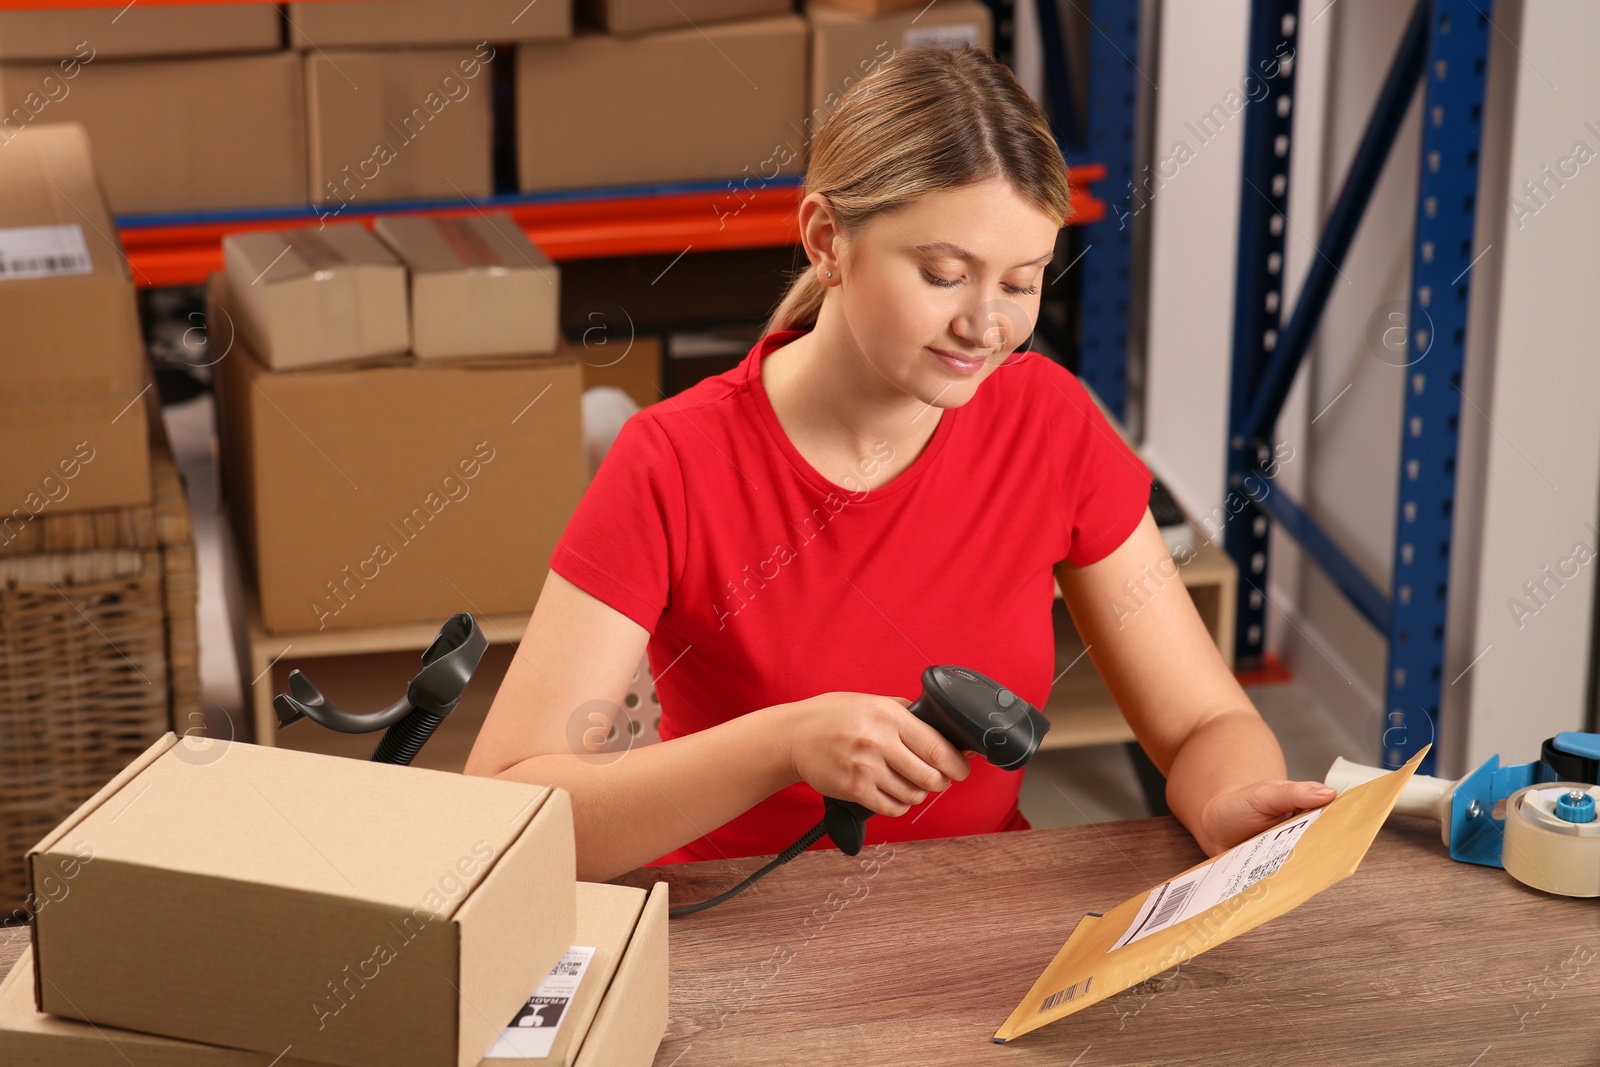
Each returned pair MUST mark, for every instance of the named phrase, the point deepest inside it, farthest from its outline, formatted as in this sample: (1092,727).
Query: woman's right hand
(869,749)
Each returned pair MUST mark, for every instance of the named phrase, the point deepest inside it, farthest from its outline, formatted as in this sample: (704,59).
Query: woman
(884,483)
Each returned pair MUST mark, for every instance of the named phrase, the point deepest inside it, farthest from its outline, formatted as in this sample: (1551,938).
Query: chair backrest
(643,707)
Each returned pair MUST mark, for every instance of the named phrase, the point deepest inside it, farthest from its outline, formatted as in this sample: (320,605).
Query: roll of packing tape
(1549,852)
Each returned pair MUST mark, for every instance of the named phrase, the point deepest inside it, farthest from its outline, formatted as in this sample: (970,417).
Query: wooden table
(1415,959)
(916,953)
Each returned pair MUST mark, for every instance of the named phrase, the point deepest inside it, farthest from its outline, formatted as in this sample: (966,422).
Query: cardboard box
(266,899)
(873,8)
(399,124)
(66,298)
(139,30)
(72,419)
(617,1018)
(315,295)
(176,134)
(68,455)
(400,490)
(639,16)
(671,106)
(618,1014)
(630,364)
(479,287)
(361,23)
(846,47)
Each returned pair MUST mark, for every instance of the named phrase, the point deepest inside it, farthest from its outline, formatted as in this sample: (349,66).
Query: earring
(829,273)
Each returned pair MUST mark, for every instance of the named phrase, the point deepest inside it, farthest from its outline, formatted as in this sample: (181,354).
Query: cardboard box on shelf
(641,16)
(66,297)
(479,287)
(176,134)
(872,8)
(399,490)
(845,47)
(314,295)
(68,455)
(399,124)
(361,24)
(355,912)
(139,30)
(616,1019)
(673,106)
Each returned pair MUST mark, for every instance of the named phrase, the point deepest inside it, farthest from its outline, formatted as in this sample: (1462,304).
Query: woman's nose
(995,325)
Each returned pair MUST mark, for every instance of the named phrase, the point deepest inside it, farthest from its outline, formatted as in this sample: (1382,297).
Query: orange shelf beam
(185,252)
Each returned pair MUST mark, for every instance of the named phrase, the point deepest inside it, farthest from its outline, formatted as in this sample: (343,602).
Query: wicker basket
(98,656)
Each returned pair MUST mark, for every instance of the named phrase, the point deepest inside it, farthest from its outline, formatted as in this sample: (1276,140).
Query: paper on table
(1211,902)
(532,1034)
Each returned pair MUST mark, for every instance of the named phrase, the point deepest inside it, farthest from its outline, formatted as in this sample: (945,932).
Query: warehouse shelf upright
(1108,317)
(1445,47)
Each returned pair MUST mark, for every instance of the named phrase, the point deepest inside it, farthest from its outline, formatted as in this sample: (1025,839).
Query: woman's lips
(959,364)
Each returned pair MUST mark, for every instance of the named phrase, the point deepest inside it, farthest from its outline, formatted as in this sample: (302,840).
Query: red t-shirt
(762,582)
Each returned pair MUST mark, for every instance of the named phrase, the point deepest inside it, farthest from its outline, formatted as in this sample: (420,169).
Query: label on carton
(533,1032)
(318,255)
(44,251)
(467,243)
(1210,884)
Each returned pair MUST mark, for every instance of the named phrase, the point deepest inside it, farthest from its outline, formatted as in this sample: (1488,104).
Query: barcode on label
(1062,996)
(34,266)
(1175,899)
(1259,872)
(43,251)
(567,967)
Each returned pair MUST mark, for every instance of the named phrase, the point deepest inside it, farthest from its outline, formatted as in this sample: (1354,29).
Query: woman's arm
(564,687)
(1224,769)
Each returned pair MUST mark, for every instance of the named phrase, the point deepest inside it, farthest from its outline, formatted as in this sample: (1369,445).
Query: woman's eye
(947,283)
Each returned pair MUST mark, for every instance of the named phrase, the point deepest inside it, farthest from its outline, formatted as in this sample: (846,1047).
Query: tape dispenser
(1536,820)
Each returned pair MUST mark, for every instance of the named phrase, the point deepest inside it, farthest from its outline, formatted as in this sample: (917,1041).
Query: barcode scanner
(970,710)
(973,713)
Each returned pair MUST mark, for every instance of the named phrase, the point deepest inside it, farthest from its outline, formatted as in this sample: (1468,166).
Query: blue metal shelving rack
(1445,46)
(1107,259)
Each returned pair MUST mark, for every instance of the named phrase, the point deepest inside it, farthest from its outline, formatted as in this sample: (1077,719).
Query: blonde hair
(928,119)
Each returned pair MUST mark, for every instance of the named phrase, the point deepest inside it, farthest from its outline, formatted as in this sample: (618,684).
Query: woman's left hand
(1232,817)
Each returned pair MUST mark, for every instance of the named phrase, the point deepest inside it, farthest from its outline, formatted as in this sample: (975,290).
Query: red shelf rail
(184,253)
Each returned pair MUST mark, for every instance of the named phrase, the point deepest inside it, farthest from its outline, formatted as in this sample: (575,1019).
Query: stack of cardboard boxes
(73,422)
(352,104)
(399,97)
(707,89)
(231,905)
(400,418)
(189,107)
(696,90)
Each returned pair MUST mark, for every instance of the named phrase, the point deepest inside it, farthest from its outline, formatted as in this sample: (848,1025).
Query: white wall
(1537,384)
(1192,245)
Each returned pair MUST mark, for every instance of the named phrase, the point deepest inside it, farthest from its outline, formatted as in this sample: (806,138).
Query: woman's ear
(819,234)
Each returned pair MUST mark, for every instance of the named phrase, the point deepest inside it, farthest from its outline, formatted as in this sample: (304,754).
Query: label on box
(43,251)
(532,1033)
(1210,884)
(953,36)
